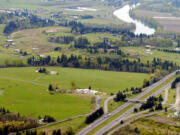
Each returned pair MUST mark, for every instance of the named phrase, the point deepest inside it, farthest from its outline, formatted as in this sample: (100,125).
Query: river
(123,14)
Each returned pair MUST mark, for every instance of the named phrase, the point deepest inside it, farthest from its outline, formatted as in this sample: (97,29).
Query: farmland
(25,91)
(165,14)
(105,81)
(50,48)
(140,52)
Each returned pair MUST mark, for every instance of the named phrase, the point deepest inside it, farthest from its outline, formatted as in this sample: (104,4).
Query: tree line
(61,39)
(78,27)
(169,51)
(104,63)
(153,103)
(175,82)
(95,115)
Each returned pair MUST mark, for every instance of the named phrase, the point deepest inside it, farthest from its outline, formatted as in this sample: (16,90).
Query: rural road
(98,102)
(177,104)
(106,104)
(52,123)
(134,117)
(165,96)
(116,121)
(30,82)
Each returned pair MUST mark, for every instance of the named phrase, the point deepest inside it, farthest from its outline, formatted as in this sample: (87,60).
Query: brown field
(169,24)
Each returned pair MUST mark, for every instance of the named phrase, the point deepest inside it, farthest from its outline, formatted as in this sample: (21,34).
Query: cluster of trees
(42,70)
(69,131)
(11,122)
(136,90)
(163,42)
(95,115)
(169,51)
(4,18)
(23,53)
(32,21)
(81,43)
(104,63)
(87,17)
(120,96)
(34,132)
(175,82)
(51,88)
(133,90)
(56,132)
(3,110)
(153,102)
(78,27)
(48,119)
(61,39)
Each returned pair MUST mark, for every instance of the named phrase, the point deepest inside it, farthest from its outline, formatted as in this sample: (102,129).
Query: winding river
(123,14)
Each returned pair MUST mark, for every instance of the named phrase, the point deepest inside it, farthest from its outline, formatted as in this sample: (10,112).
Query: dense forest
(30,22)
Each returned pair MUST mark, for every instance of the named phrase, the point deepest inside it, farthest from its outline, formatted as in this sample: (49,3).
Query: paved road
(106,104)
(53,123)
(131,120)
(177,104)
(116,121)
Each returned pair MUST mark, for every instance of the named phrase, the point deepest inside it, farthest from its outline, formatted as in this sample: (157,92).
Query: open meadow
(141,52)
(25,91)
(105,81)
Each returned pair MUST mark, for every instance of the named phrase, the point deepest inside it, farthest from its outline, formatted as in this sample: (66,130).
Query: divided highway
(117,120)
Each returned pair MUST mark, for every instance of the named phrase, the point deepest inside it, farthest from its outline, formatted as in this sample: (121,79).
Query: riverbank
(124,15)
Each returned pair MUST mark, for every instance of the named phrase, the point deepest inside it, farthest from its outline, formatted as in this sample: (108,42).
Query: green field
(35,100)
(171,96)
(106,81)
(140,52)
(25,91)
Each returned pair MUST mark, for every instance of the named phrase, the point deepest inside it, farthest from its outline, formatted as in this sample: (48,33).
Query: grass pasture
(106,81)
(140,52)
(171,96)
(34,100)
(25,91)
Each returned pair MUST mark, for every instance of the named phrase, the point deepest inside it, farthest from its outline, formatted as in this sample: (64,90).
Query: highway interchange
(129,111)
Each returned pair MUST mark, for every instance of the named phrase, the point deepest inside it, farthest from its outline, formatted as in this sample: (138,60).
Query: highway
(116,121)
